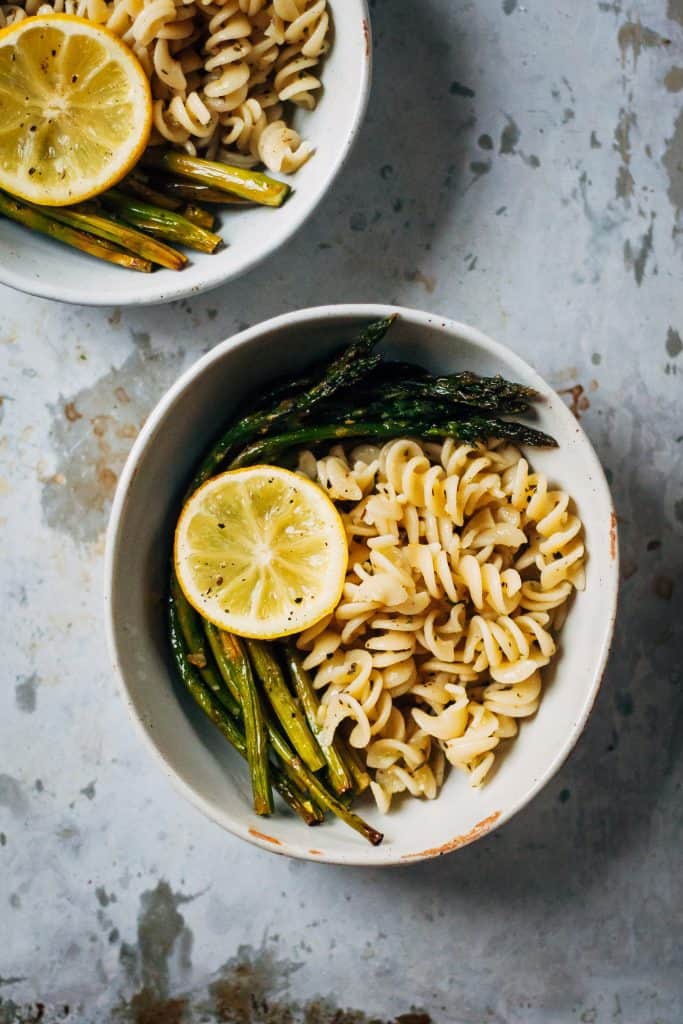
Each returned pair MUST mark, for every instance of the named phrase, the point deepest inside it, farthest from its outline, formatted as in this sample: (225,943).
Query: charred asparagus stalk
(199,216)
(161,223)
(478,428)
(225,723)
(48,225)
(343,371)
(196,651)
(340,779)
(182,190)
(120,234)
(283,704)
(136,185)
(251,185)
(297,771)
(230,657)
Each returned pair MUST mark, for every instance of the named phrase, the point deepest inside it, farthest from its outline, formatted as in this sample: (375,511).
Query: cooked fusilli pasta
(225,74)
(461,561)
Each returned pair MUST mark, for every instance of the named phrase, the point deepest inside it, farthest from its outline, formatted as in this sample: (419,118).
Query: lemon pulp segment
(75,109)
(261,552)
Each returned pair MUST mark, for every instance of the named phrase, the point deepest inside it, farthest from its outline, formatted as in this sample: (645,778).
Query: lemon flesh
(261,552)
(75,109)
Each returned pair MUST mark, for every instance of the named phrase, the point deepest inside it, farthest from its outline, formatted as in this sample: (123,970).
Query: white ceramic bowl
(35,264)
(189,748)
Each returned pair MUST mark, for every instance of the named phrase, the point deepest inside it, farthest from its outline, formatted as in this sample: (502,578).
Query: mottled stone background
(521,169)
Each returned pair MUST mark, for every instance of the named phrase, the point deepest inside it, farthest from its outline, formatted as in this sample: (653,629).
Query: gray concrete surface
(521,169)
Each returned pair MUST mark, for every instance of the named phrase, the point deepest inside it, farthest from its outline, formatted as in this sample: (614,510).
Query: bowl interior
(41,266)
(192,751)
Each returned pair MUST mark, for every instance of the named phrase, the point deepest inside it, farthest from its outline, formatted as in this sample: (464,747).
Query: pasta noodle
(225,74)
(461,562)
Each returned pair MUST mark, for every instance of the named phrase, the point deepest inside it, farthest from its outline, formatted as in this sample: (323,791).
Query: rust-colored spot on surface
(128,431)
(107,478)
(366,36)
(316,853)
(613,536)
(664,587)
(71,412)
(262,835)
(146,1008)
(579,401)
(479,830)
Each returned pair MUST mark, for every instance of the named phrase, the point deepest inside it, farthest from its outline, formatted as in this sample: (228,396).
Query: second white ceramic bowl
(35,264)
(190,750)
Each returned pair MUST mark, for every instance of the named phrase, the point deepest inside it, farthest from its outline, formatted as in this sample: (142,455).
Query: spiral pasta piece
(461,564)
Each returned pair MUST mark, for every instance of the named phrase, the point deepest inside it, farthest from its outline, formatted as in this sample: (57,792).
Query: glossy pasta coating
(462,560)
(225,74)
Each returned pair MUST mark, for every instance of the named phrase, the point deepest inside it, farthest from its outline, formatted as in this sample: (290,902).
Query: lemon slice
(261,552)
(75,109)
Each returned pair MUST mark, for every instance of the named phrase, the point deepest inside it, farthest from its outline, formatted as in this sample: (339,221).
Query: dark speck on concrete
(568,115)
(565,794)
(15,901)
(500,210)
(485,142)
(596,359)
(89,790)
(358,221)
(212,314)
(653,545)
(385,171)
(674,345)
(458,89)
(397,205)
(678,510)
(38,786)
(509,137)
(595,141)
(12,796)
(664,587)
(3,839)
(509,6)
(103,898)
(624,704)
(25,693)
(479,167)
(637,261)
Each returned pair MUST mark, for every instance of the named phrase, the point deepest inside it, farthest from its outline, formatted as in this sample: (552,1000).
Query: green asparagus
(252,185)
(225,723)
(288,712)
(344,370)
(46,224)
(340,779)
(231,660)
(159,222)
(126,237)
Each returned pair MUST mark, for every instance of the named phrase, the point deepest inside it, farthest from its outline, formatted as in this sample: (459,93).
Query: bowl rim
(357,857)
(173,288)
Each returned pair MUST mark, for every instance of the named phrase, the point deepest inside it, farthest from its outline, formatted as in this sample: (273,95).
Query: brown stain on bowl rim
(316,853)
(366,35)
(613,535)
(261,835)
(479,830)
